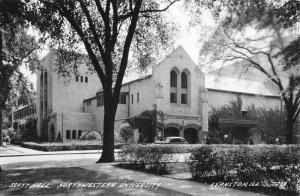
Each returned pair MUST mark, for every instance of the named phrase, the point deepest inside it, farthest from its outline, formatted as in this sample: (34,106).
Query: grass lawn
(18,179)
(52,178)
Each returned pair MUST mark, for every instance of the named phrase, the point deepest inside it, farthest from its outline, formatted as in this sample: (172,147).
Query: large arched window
(68,134)
(173,79)
(174,85)
(184,79)
(185,89)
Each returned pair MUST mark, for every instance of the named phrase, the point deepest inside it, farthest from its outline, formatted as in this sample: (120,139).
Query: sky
(190,37)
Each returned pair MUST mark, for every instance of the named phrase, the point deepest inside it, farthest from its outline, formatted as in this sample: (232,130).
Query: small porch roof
(238,123)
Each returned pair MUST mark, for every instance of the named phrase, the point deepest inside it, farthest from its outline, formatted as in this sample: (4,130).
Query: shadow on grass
(52,179)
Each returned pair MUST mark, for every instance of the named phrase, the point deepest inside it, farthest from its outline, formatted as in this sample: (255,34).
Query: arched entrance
(52,133)
(191,135)
(171,131)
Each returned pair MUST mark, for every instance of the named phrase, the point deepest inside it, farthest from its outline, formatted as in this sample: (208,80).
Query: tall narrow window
(81,78)
(173,97)
(173,79)
(86,79)
(183,98)
(74,134)
(68,134)
(173,85)
(131,98)
(77,78)
(138,97)
(184,88)
(183,80)
(79,134)
(122,99)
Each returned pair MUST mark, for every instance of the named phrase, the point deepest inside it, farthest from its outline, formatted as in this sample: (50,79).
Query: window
(173,85)
(122,99)
(185,91)
(86,79)
(131,98)
(79,134)
(100,100)
(81,78)
(74,134)
(77,78)
(138,97)
(183,98)
(173,79)
(184,80)
(68,134)
(173,97)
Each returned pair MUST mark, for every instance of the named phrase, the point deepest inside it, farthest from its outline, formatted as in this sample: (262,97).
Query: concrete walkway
(13,150)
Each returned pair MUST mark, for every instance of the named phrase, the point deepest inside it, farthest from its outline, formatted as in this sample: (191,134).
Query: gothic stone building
(176,86)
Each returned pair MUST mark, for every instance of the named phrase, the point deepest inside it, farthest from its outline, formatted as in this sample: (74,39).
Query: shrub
(4,133)
(84,134)
(244,163)
(153,158)
(126,133)
(93,135)
(28,131)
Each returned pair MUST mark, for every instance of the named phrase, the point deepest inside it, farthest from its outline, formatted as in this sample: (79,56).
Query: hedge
(151,157)
(48,147)
(264,164)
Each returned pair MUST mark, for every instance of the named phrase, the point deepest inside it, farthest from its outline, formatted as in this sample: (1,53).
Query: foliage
(16,48)
(269,121)
(147,123)
(28,130)
(110,32)
(259,163)
(255,34)
(84,134)
(126,133)
(4,133)
(151,158)
(93,135)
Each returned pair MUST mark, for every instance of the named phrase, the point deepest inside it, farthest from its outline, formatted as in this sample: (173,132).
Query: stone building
(59,101)
(67,107)
(175,87)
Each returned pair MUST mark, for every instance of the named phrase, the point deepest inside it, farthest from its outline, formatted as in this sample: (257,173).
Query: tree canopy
(17,49)
(256,34)
(109,32)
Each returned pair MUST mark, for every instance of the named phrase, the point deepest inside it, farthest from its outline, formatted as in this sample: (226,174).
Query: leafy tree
(16,48)
(109,32)
(28,130)
(269,121)
(270,48)
(147,123)
(231,111)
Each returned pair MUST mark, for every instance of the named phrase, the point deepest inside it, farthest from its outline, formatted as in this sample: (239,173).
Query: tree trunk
(1,138)
(289,130)
(108,131)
